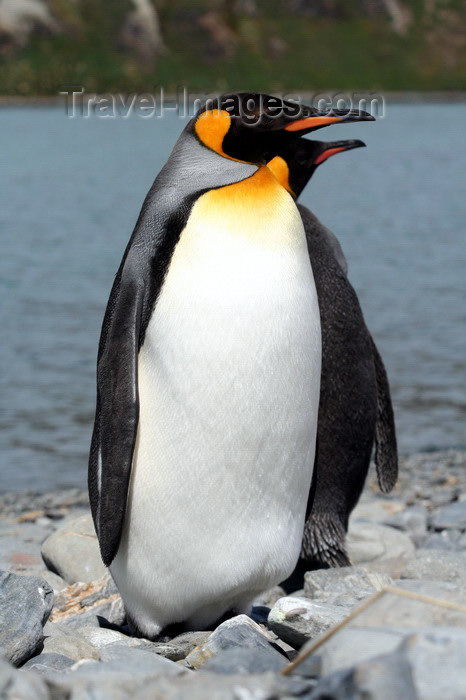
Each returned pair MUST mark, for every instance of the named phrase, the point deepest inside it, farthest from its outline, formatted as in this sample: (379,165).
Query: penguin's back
(229,377)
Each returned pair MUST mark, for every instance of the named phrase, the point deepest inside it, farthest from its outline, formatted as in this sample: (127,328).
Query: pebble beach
(393,625)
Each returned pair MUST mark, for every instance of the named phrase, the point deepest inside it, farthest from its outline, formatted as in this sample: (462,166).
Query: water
(70,194)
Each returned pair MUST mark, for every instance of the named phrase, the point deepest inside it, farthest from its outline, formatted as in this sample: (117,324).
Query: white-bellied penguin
(208,375)
(355,405)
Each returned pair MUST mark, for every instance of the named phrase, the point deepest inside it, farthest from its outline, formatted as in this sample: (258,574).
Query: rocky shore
(391,626)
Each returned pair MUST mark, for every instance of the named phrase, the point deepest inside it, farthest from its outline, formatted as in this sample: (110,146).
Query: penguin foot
(164,635)
(323,545)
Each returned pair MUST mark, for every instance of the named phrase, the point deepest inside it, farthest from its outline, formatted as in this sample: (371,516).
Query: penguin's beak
(313,119)
(331,148)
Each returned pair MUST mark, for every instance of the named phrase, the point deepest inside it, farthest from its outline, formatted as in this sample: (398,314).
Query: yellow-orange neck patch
(211,128)
(281,171)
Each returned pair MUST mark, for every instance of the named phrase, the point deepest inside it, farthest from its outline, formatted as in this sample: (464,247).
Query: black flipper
(190,171)
(117,411)
(386,455)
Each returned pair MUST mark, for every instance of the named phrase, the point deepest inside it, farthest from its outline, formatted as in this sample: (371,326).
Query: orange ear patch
(280,169)
(211,127)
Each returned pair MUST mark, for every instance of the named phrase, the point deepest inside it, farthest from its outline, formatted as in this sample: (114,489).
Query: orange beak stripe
(326,154)
(310,122)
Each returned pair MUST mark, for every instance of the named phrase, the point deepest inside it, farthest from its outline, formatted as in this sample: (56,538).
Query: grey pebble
(438,660)
(25,605)
(119,656)
(20,685)
(75,648)
(413,521)
(297,620)
(353,645)
(239,631)
(446,539)
(373,542)
(245,661)
(48,662)
(210,686)
(73,623)
(452,516)
(78,604)
(383,678)
(72,551)
(436,565)
(343,586)
(99,637)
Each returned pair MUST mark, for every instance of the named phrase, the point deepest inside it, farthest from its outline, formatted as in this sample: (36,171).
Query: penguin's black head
(253,128)
(296,164)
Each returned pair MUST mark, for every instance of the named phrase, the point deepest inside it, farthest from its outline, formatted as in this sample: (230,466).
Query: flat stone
(297,620)
(390,567)
(25,605)
(413,521)
(370,542)
(445,539)
(436,565)
(343,586)
(353,645)
(74,623)
(241,660)
(73,553)
(100,637)
(438,661)
(48,662)
(136,660)
(119,677)
(21,685)
(442,590)
(210,686)
(382,678)
(93,598)
(452,516)
(74,648)
(377,510)
(391,610)
(239,631)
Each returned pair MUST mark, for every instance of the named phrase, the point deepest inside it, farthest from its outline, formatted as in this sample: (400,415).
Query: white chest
(229,378)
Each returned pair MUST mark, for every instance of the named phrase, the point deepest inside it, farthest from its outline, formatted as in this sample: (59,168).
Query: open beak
(315,119)
(332,147)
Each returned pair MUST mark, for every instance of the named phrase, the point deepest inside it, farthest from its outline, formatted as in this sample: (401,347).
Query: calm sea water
(70,193)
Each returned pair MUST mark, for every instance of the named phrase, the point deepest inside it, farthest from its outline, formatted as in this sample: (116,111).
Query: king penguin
(355,406)
(208,375)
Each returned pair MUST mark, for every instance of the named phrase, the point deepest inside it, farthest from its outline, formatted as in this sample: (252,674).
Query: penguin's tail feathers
(386,453)
(323,544)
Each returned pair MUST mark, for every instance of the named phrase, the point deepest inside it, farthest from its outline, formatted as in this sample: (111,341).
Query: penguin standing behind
(208,375)
(355,406)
